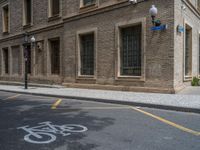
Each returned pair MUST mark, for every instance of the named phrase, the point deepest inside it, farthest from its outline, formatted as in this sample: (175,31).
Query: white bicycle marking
(45,132)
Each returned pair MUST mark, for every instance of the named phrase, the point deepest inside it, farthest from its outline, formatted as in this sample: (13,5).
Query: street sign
(180,29)
(159,28)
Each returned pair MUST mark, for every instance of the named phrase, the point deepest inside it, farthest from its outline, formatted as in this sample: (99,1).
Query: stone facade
(162,51)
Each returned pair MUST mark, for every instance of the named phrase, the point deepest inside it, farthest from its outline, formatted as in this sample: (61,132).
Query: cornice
(100,10)
(34,31)
(192,7)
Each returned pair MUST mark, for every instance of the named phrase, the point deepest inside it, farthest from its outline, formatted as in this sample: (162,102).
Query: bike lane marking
(180,127)
(55,105)
(12,97)
(38,134)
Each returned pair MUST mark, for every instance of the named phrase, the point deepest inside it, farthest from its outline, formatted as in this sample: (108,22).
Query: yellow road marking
(97,108)
(103,108)
(168,122)
(54,106)
(12,97)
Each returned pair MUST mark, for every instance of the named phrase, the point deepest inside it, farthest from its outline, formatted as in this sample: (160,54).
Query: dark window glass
(16,60)
(188,59)
(6,18)
(87,54)
(28,10)
(88,2)
(131,51)
(6,60)
(55,57)
(199,54)
(55,5)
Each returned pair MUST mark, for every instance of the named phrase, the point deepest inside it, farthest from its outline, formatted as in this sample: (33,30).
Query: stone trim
(192,8)
(2,9)
(24,24)
(78,46)
(129,23)
(50,17)
(88,7)
(187,23)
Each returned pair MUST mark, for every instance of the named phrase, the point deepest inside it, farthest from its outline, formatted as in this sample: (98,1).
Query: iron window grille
(28,11)
(55,57)
(187,52)
(6,60)
(55,6)
(87,54)
(199,54)
(5,18)
(131,51)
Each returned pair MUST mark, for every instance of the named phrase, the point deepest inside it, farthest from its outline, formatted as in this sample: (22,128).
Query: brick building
(104,44)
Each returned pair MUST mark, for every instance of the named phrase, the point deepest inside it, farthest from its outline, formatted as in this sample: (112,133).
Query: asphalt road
(44,123)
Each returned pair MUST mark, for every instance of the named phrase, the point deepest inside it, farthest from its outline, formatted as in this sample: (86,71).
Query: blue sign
(180,29)
(159,28)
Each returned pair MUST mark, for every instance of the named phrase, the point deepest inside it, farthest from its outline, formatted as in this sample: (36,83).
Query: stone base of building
(121,88)
(101,87)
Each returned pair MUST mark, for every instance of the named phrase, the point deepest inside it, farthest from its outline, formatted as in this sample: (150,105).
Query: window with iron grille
(199,54)
(55,7)
(5,18)
(55,56)
(87,54)
(15,60)
(27,12)
(131,51)
(188,52)
(88,2)
(5,60)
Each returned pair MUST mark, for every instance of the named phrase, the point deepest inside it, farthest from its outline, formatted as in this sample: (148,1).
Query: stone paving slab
(191,90)
(178,102)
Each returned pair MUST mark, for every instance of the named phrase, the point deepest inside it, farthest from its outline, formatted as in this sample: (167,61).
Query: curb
(138,104)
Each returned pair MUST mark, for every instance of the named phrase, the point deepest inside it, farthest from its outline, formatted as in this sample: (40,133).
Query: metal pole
(26,68)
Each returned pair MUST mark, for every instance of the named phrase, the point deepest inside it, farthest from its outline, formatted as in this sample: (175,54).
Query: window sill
(92,77)
(27,26)
(55,17)
(187,78)
(88,7)
(130,78)
(5,32)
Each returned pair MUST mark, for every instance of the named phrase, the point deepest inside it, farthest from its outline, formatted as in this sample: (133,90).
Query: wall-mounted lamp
(156,22)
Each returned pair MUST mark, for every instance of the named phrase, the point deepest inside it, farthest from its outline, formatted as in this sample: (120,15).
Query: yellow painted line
(104,108)
(96,108)
(12,97)
(168,122)
(55,105)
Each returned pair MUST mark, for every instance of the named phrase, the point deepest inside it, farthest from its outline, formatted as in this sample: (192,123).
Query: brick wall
(158,54)
(182,17)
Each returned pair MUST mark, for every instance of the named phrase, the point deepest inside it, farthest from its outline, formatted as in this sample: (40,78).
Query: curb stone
(137,104)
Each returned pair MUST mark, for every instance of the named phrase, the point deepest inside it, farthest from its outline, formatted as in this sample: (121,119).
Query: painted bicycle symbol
(45,132)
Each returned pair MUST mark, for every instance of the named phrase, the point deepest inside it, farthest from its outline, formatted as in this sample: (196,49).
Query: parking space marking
(95,108)
(180,127)
(55,105)
(12,97)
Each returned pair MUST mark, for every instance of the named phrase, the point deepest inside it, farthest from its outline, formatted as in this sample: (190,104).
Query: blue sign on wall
(159,28)
(180,29)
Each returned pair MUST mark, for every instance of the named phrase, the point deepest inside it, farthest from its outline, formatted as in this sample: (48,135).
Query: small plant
(195,81)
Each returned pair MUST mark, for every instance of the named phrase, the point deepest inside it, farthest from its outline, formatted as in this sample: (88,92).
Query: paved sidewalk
(191,90)
(164,101)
